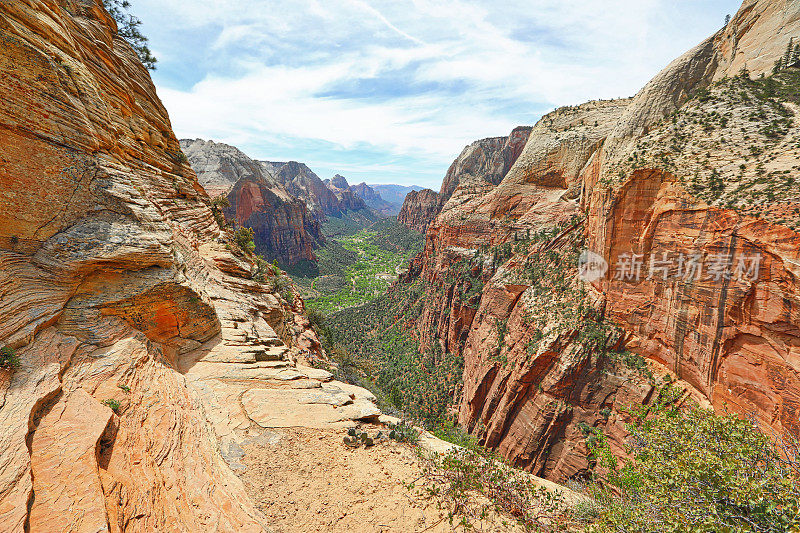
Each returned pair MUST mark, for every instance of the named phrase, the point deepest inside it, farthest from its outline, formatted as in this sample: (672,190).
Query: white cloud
(442,73)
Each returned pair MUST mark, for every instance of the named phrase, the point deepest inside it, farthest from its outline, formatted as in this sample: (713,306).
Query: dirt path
(308,480)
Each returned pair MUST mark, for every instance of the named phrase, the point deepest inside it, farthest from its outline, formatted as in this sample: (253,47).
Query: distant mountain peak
(340,182)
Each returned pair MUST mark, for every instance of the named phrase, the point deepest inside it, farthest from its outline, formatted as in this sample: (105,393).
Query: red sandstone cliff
(480,166)
(484,162)
(681,168)
(419,209)
(116,283)
(302,183)
(283,227)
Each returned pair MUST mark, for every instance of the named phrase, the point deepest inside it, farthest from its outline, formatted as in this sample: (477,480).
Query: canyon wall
(419,209)
(301,182)
(373,199)
(283,227)
(124,302)
(699,164)
(478,168)
(348,200)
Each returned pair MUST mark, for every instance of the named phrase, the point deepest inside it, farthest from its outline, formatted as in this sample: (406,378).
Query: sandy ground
(308,480)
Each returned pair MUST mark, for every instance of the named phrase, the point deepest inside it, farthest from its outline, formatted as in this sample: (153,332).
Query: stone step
(275,353)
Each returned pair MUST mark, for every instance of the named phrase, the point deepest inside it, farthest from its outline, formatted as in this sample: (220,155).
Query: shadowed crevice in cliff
(39,410)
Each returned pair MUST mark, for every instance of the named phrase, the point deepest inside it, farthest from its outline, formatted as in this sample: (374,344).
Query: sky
(391,91)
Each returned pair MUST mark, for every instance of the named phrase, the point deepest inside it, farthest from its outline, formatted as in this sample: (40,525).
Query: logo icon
(591,266)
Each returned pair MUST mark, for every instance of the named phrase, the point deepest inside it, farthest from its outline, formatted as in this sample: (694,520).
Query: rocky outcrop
(322,199)
(283,227)
(301,182)
(419,209)
(477,170)
(373,200)
(220,166)
(348,200)
(681,169)
(116,284)
(484,162)
(338,182)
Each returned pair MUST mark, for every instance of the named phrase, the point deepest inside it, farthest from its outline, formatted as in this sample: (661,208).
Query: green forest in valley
(375,347)
(358,309)
(355,268)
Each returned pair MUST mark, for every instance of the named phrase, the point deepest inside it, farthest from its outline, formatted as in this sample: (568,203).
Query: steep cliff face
(348,200)
(115,284)
(477,170)
(219,166)
(696,165)
(284,228)
(373,200)
(484,163)
(302,183)
(419,209)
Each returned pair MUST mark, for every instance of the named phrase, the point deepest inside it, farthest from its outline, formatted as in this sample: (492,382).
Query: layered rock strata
(283,227)
(698,164)
(131,313)
(419,209)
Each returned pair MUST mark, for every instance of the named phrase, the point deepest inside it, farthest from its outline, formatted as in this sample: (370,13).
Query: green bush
(8,358)
(450,432)
(284,287)
(694,470)
(244,238)
(265,270)
(469,484)
(218,206)
(403,431)
(112,404)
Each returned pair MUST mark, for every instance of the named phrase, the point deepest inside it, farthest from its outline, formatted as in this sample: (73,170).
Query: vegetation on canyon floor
(374,349)
(354,269)
(348,223)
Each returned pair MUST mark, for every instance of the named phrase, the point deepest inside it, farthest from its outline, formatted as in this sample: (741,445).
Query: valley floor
(357,267)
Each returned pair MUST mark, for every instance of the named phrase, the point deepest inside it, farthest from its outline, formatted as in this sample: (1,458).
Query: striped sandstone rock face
(639,172)
(117,284)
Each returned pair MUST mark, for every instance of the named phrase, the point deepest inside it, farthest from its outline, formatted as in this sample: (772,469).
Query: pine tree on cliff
(787,57)
(128,29)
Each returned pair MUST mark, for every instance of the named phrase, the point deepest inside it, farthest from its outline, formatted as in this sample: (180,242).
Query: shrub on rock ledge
(8,358)
(694,470)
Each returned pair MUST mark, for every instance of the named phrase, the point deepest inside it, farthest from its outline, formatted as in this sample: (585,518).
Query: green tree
(128,29)
(8,358)
(244,238)
(694,470)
